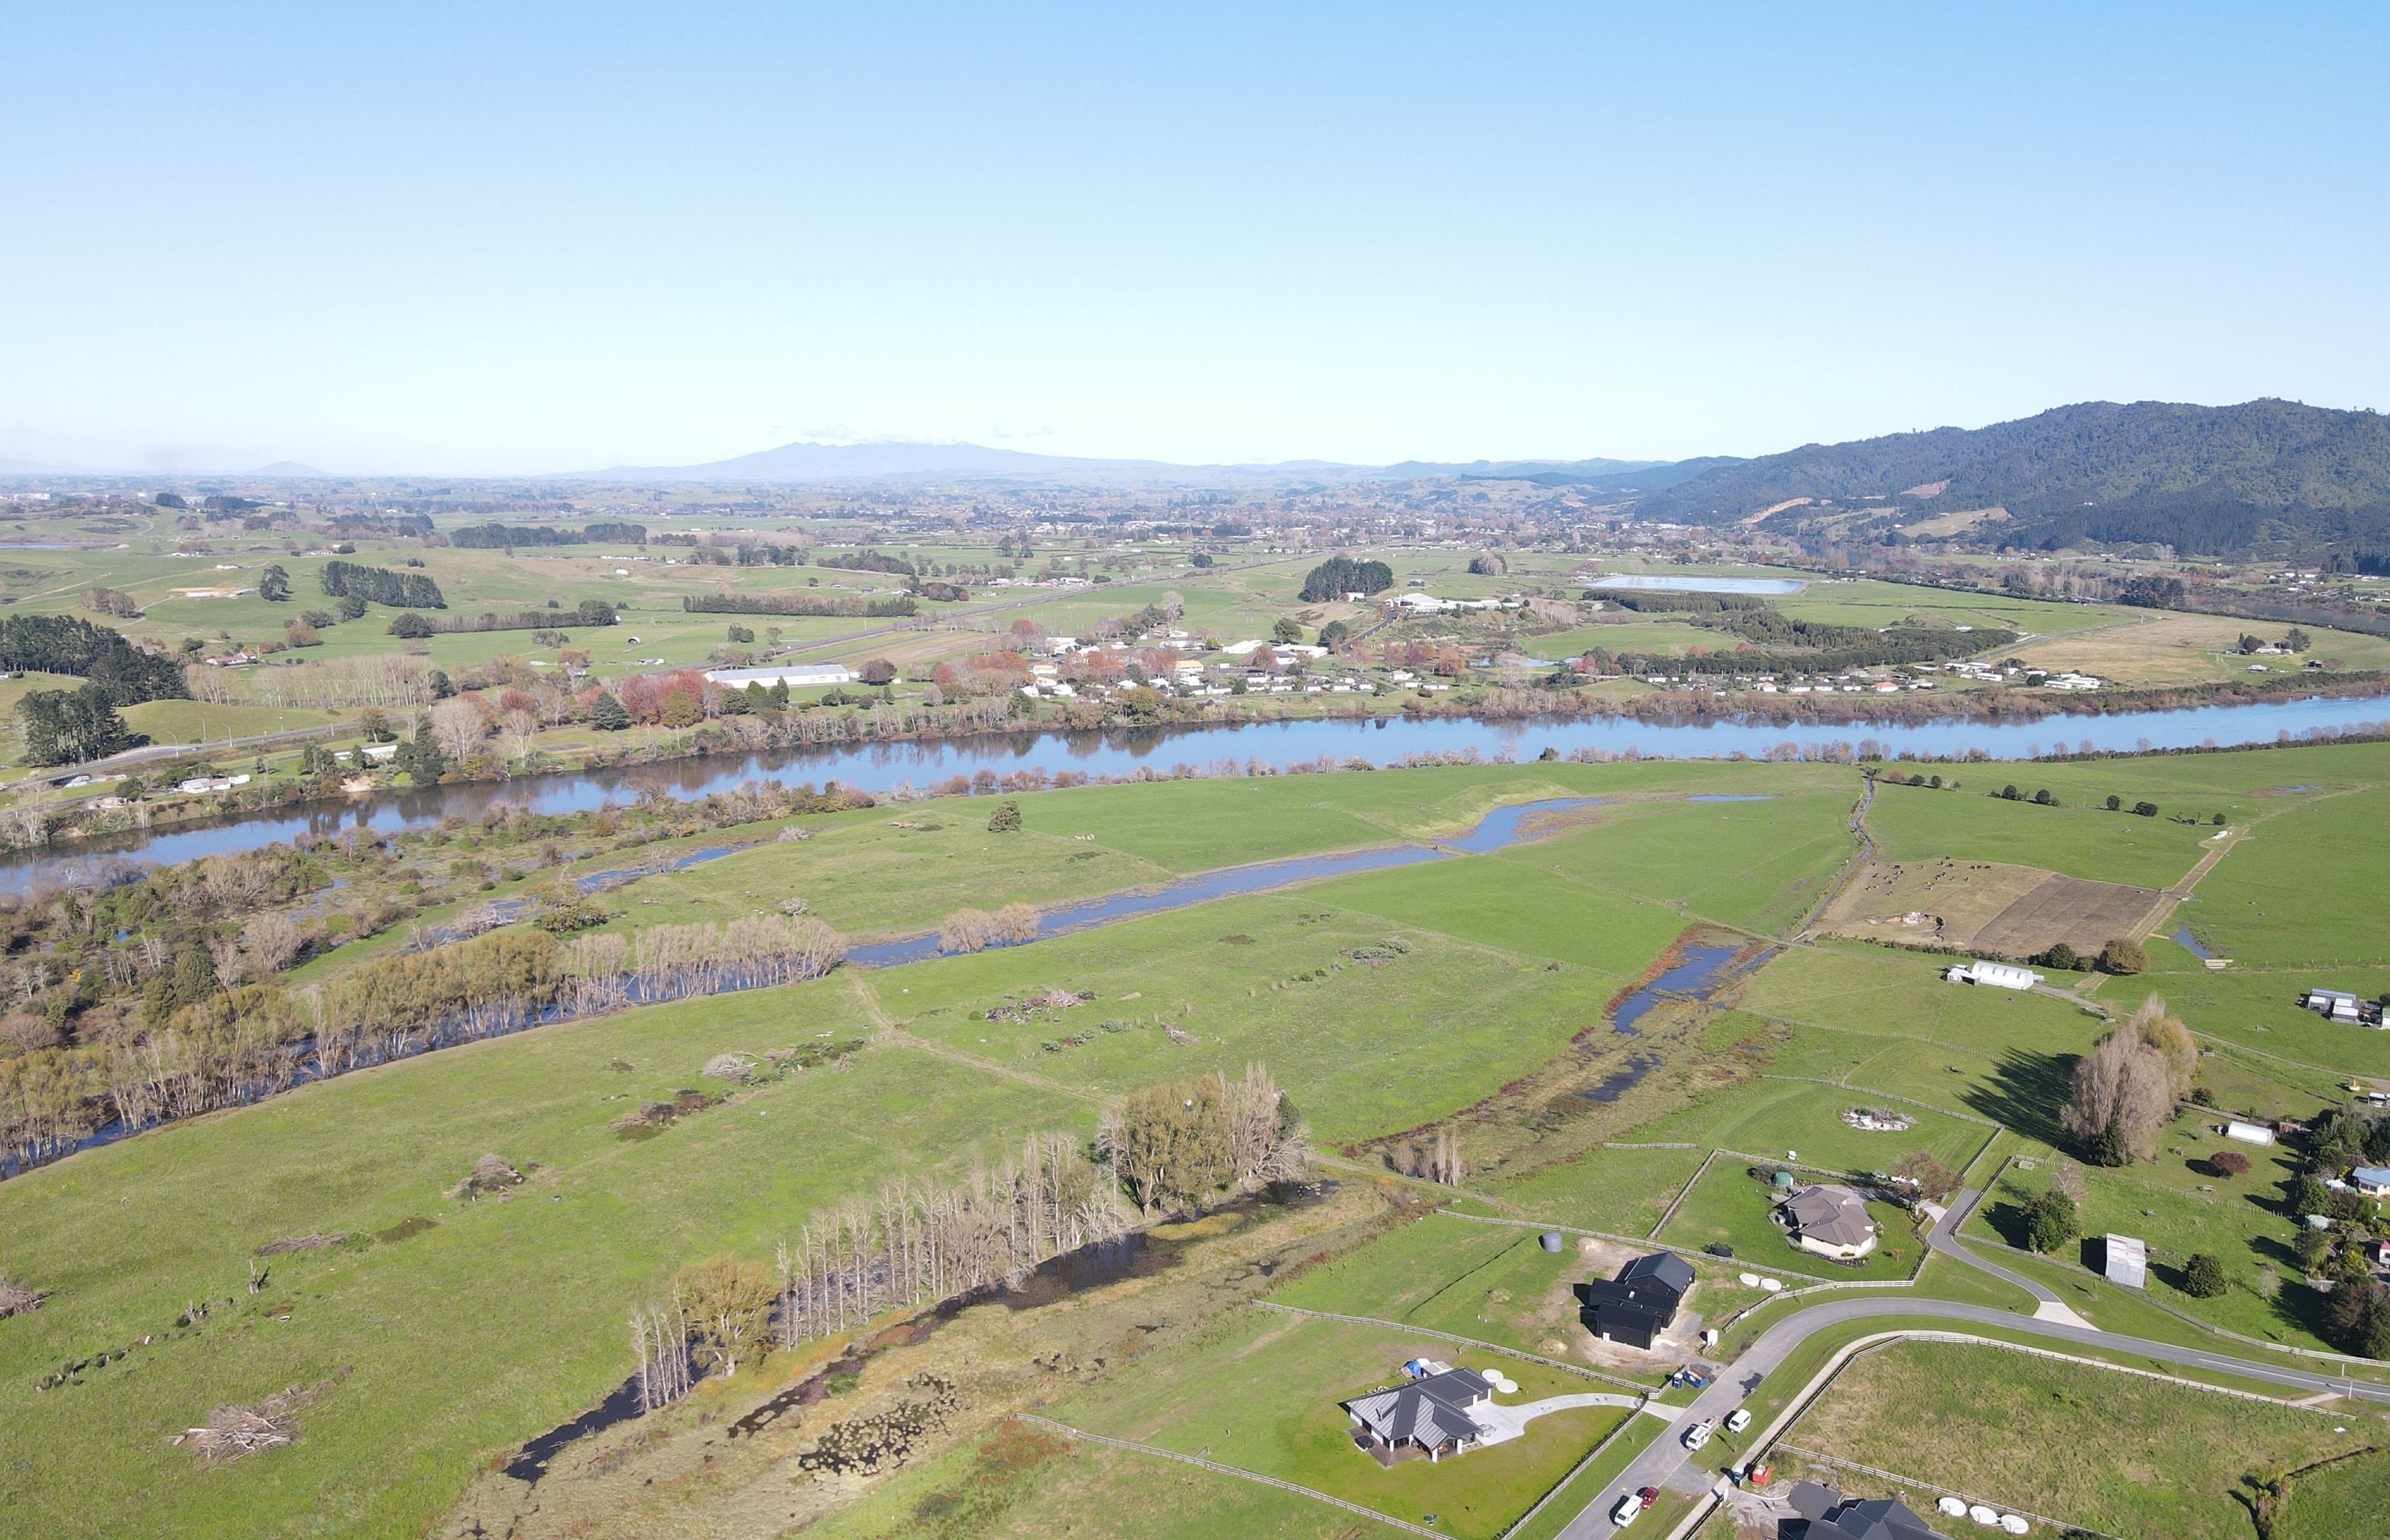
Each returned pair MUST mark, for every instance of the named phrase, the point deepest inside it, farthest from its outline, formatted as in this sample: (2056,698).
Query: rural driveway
(1656,1465)
(1943,1238)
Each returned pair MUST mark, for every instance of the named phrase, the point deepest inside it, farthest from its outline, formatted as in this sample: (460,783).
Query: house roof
(2371,1176)
(1664,1268)
(1831,1215)
(1430,1411)
(1875,1519)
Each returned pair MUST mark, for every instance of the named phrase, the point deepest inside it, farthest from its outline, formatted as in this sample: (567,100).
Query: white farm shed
(2248,1133)
(2000,975)
(794,675)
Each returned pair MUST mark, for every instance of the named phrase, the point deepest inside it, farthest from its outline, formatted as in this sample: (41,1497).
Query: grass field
(1260,1392)
(2077,839)
(501,1319)
(1730,1206)
(1026,1484)
(504,1318)
(2166,648)
(2344,1499)
(2179,1207)
(2083,1445)
(1622,1191)
(1774,1118)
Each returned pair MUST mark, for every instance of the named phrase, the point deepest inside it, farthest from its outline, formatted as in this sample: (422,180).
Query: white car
(1628,1506)
(1738,1420)
(1699,1434)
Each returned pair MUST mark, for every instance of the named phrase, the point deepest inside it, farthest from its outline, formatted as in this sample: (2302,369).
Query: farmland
(1467,994)
(2084,1446)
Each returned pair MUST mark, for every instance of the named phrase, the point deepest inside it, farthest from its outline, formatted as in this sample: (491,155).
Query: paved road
(1662,1460)
(1943,1238)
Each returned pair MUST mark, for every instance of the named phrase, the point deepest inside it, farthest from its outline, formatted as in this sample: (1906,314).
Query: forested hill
(2204,479)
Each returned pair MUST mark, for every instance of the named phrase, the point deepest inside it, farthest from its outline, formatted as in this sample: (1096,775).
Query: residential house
(1831,1517)
(1830,1221)
(1435,1416)
(2370,1181)
(1636,1307)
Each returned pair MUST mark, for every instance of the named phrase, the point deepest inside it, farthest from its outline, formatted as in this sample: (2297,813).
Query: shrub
(1718,1249)
(1005,819)
(2228,1162)
(2145,810)
(2124,957)
(2202,1276)
(2115,803)
(2049,1221)
(2059,954)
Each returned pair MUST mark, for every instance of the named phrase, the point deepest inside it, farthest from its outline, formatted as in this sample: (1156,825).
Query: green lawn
(1725,1205)
(2344,1501)
(1777,1119)
(1260,1392)
(1622,1191)
(2116,1453)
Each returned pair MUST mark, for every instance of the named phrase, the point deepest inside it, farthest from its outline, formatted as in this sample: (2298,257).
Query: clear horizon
(555,240)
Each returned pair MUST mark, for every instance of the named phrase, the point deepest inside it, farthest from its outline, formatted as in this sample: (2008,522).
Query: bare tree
(457,727)
(2121,1099)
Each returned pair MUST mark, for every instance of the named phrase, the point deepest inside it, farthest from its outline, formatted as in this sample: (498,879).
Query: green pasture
(1775,1117)
(2179,1207)
(2342,1501)
(1363,1050)
(990,1488)
(1261,1391)
(1622,1191)
(1730,1206)
(2076,839)
(2118,1454)
(463,1339)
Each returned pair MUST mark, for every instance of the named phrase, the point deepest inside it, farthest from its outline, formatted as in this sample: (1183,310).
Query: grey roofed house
(1827,1218)
(1431,1414)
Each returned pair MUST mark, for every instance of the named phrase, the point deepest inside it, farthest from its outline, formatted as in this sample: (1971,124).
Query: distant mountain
(286,467)
(858,462)
(2201,478)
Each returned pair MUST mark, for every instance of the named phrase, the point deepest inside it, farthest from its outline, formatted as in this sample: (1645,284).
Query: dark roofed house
(1640,1303)
(1430,1414)
(1830,1518)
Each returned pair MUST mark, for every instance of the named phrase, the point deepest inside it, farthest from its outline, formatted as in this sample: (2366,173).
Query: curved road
(1656,1465)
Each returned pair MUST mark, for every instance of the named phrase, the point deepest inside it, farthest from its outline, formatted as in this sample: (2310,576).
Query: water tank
(1553,1241)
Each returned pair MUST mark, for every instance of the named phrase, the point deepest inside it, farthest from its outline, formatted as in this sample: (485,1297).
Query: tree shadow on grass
(2024,1092)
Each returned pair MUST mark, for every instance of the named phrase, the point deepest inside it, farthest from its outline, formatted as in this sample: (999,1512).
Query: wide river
(884,766)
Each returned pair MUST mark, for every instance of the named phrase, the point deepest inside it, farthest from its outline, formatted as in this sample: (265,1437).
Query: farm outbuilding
(2126,1261)
(794,675)
(2249,1133)
(1999,975)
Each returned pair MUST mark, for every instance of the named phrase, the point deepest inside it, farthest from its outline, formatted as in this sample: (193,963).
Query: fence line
(1065,1429)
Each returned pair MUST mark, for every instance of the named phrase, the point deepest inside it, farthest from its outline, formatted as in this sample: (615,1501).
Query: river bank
(1032,760)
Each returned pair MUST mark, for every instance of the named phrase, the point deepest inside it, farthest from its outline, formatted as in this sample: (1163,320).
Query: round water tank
(1955,1507)
(1553,1241)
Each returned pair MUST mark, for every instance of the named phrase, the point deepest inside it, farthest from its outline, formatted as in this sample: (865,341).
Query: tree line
(496,536)
(1159,1151)
(588,612)
(798,604)
(380,585)
(65,644)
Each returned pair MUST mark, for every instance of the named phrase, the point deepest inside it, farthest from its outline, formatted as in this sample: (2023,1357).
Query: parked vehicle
(1699,1434)
(1738,1420)
(1626,1510)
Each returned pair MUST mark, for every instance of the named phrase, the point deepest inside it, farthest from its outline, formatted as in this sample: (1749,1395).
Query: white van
(1699,1434)
(1628,1506)
(1738,1420)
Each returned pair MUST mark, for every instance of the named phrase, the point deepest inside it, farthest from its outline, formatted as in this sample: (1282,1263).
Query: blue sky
(519,238)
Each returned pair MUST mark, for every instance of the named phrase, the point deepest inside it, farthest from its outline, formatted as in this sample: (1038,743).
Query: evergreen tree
(607,715)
